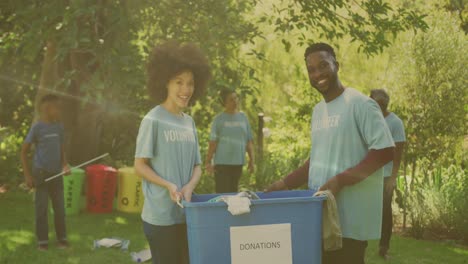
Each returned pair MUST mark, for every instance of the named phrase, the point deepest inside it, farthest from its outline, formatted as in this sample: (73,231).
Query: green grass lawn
(17,241)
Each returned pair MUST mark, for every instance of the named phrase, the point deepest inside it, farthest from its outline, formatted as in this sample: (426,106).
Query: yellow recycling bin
(130,195)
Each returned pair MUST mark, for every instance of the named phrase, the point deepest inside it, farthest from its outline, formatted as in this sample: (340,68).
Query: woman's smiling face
(180,89)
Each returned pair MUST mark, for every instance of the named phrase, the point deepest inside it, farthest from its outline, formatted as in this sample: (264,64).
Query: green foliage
(15,119)
(460,9)
(435,200)
(431,90)
(10,146)
(369,23)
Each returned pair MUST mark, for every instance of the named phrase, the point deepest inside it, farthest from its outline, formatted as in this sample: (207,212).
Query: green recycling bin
(72,186)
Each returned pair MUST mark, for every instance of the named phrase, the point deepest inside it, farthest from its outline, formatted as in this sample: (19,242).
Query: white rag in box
(237,205)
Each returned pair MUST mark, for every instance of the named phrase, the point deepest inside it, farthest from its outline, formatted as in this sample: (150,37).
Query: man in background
(397,129)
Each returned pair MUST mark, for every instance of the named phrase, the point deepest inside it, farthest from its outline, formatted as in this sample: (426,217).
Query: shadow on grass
(18,241)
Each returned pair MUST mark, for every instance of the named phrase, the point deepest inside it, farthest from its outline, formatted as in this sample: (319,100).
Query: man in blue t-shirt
(390,169)
(350,144)
(47,136)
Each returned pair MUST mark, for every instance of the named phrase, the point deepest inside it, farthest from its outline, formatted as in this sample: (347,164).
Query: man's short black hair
(319,47)
(225,92)
(49,98)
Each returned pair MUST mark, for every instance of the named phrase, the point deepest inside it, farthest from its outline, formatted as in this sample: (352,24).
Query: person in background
(350,144)
(390,169)
(47,136)
(231,137)
(167,153)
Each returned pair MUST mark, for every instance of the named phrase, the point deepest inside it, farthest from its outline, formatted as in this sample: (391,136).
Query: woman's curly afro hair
(172,58)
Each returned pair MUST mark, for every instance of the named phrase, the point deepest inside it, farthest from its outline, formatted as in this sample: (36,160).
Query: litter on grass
(141,256)
(112,242)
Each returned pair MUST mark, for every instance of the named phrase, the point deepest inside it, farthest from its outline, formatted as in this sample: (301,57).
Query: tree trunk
(49,75)
(85,130)
(82,119)
(81,116)
(405,194)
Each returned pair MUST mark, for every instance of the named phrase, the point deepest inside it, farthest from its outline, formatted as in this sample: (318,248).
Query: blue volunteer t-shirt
(398,134)
(170,142)
(343,132)
(231,132)
(47,139)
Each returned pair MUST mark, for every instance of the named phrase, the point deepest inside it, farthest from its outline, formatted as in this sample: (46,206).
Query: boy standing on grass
(47,136)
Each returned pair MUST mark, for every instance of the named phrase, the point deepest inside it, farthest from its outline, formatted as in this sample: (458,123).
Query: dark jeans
(227,178)
(168,244)
(352,252)
(44,190)
(387,218)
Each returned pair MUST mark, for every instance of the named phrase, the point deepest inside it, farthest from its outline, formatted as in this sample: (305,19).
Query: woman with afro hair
(167,152)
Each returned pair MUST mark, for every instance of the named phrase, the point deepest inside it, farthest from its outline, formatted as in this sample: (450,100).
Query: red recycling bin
(101,188)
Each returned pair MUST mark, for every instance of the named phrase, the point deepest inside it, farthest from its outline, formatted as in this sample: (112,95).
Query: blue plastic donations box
(282,228)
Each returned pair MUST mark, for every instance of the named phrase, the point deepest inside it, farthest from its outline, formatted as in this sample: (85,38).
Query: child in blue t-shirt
(47,136)
(167,153)
(230,139)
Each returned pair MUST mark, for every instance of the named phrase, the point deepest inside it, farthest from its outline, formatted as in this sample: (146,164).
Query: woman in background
(230,138)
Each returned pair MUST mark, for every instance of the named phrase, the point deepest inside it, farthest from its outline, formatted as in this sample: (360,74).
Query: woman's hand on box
(173,192)
(187,192)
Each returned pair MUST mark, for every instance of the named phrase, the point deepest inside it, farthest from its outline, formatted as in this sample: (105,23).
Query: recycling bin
(129,194)
(101,186)
(72,187)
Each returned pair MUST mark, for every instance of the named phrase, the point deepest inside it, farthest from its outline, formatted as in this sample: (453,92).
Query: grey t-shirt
(343,132)
(231,132)
(170,142)
(397,129)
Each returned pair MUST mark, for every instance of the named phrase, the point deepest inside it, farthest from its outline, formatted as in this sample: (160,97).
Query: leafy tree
(431,81)
(93,53)
(369,23)
(460,8)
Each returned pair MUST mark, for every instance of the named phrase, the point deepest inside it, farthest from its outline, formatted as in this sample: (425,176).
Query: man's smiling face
(322,69)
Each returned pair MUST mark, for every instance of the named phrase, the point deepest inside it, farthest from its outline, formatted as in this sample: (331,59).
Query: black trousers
(45,190)
(227,178)
(168,244)
(352,252)
(387,218)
